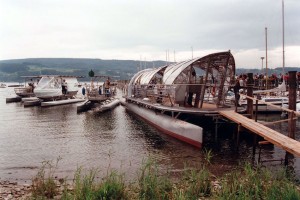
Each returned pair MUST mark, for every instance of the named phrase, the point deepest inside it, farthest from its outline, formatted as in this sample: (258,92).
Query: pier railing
(292,115)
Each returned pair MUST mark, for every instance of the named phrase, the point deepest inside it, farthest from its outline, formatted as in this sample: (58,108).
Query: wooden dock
(290,145)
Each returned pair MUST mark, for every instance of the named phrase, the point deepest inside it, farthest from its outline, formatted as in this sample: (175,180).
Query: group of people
(107,90)
(32,85)
(260,80)
(274,80)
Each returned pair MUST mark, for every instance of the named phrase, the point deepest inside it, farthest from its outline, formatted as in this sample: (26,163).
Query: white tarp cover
(51,86)
(48,86)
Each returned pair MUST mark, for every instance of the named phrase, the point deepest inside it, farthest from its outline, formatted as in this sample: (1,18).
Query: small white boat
(108,105)
(100,95)
(26,90)
(52,87)
(33,102)
(24,99)
(61,102)
(262,107)
(2,85)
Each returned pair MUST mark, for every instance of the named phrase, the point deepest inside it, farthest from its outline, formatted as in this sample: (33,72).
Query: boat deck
(207,108)
(290,145)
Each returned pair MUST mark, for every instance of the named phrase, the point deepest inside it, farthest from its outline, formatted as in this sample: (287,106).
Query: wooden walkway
(290,145)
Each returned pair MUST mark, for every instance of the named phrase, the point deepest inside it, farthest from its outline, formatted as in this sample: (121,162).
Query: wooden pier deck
(290,145)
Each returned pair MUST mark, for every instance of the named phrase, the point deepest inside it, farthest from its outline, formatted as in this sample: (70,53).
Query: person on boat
(83,91)
(192,81)
(64,87)
(100,91)
(31,85)
(106,87)
(236,90)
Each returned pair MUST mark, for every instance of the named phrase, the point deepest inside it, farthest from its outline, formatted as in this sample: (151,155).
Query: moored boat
(265,107)
(99,94)
(53,87)
(2,85)
(161,96)
(27,89)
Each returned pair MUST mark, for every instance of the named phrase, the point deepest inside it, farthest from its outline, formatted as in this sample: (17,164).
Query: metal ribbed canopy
(210,62)
(144,77)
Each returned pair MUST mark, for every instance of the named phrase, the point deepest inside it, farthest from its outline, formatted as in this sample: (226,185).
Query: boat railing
(168,93)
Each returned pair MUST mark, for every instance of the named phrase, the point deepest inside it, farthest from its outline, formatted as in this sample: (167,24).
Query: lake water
(110,140)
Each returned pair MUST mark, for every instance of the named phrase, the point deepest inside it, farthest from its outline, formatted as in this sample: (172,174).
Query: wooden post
(256,108)
(254,144)
(250,84)
(292,102)
(216,129)
(292,106)
(238,136)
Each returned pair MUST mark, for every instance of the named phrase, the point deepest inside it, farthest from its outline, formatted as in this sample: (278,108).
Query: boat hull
(176,128)
(48,94)
(114,103)
(61,102)
(23,91)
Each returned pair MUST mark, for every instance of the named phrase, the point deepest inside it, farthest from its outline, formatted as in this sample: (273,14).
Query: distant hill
(11,70)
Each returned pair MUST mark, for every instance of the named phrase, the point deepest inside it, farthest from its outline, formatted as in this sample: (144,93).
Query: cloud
(137,28)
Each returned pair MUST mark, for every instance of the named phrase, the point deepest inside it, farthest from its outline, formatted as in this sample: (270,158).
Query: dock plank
(290,145)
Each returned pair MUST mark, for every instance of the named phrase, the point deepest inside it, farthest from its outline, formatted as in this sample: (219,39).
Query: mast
(266,32)
(283,52)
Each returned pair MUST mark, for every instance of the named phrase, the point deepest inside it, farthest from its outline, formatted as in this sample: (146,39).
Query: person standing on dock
(236,90)
(64,87)
(83,91)
(106,87)
(192,81)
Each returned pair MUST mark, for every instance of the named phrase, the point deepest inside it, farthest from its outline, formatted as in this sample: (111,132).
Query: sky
(148,29)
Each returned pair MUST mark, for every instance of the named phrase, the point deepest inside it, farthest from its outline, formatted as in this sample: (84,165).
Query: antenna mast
(266,32)
(283,52)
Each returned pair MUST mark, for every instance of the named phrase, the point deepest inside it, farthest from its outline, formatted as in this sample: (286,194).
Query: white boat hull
(52,93)
(61,102)
(111,104)
(267,108)
(23,91)
(179,129)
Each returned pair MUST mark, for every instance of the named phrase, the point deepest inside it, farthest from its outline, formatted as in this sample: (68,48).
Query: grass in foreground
(152,183)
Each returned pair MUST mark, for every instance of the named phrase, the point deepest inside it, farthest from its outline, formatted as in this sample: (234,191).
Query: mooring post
(250,84)
(216,129)
(256,108)
(238,136)
(292,106)
(254,144)
(292,102)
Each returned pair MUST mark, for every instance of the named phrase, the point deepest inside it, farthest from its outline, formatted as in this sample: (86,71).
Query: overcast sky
(134,29)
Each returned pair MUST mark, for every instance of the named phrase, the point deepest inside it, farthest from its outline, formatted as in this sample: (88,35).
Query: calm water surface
(110,140)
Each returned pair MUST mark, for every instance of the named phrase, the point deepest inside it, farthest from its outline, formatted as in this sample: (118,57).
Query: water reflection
(116,139)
